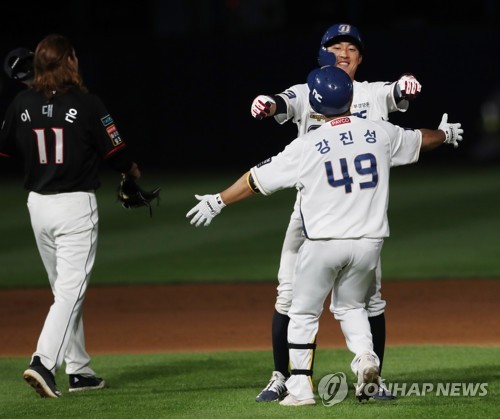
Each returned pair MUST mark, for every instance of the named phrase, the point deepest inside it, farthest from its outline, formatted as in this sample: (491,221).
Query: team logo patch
(114,135)
(107,120)
(289,94)
(343,29)
(362,114)
(264,162)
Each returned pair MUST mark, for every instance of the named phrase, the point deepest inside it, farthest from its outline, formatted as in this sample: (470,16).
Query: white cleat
(367,374)
(292,401)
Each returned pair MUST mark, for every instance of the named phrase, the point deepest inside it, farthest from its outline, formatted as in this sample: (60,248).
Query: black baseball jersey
(62,140)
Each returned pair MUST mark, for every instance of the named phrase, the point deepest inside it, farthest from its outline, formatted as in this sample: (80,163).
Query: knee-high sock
(377,325)
(280,343)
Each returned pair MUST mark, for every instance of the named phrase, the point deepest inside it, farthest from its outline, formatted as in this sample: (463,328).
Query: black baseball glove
(131,195)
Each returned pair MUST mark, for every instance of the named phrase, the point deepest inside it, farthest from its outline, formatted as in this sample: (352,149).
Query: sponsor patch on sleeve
(114,135)
(107,120)
(264,162)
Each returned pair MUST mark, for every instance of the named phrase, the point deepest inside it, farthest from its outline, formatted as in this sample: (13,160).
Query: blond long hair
(56,66)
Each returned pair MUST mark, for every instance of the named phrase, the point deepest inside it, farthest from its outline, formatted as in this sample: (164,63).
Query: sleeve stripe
(256,180)
(111,152)
(251,184)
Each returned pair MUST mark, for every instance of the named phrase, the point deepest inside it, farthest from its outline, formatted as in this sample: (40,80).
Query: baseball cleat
(383,393)
(367,376)
(275,390)
(292,401)
(41,379)
(82,382)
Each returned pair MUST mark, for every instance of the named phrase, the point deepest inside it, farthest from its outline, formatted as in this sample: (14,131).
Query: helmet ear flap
(330,90)
(326,57)
(18,64)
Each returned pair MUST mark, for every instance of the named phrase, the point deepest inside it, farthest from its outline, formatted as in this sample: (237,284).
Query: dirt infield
(174,318)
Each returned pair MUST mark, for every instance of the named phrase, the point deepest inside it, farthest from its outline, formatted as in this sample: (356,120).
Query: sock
(377,325)
(280,343)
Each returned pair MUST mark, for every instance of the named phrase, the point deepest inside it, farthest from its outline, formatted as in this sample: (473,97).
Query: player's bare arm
(242,189)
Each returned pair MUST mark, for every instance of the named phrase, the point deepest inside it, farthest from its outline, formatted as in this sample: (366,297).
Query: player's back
(341,172)
(344,176)
(57,139)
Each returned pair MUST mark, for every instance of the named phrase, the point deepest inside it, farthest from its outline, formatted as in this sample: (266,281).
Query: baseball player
(62,133)
(341,171)
(342,46)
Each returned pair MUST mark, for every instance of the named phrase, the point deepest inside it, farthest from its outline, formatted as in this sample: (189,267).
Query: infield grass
(224,385)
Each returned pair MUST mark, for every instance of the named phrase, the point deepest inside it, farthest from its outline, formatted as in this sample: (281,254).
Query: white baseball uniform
(372,101)
(341,172)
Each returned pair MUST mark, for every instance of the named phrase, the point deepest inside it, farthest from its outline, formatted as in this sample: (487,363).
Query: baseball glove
(131,195)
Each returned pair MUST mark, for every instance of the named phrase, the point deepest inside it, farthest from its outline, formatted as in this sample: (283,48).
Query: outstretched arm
(242,189)
(211,205)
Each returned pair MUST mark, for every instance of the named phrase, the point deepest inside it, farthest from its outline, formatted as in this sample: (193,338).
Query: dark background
(179,76)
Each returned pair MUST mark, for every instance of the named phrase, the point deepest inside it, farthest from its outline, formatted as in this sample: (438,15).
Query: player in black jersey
(62,133)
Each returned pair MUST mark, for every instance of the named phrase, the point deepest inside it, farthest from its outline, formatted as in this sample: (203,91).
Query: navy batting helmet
(330,90)
(340,32)
(19,64)
(326,57)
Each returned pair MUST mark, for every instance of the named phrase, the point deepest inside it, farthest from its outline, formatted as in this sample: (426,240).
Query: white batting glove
(261,106)
(206,210)
(453,131)
(408,86)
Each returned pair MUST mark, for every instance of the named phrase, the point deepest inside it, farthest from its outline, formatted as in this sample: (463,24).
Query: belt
(58,192)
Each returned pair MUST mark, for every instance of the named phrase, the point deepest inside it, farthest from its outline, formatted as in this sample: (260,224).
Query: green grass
(224,385)
(244,242)
(444,223)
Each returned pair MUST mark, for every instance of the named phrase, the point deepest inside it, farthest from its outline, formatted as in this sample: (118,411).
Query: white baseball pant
(65,227)
(346,267)
(294,237)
